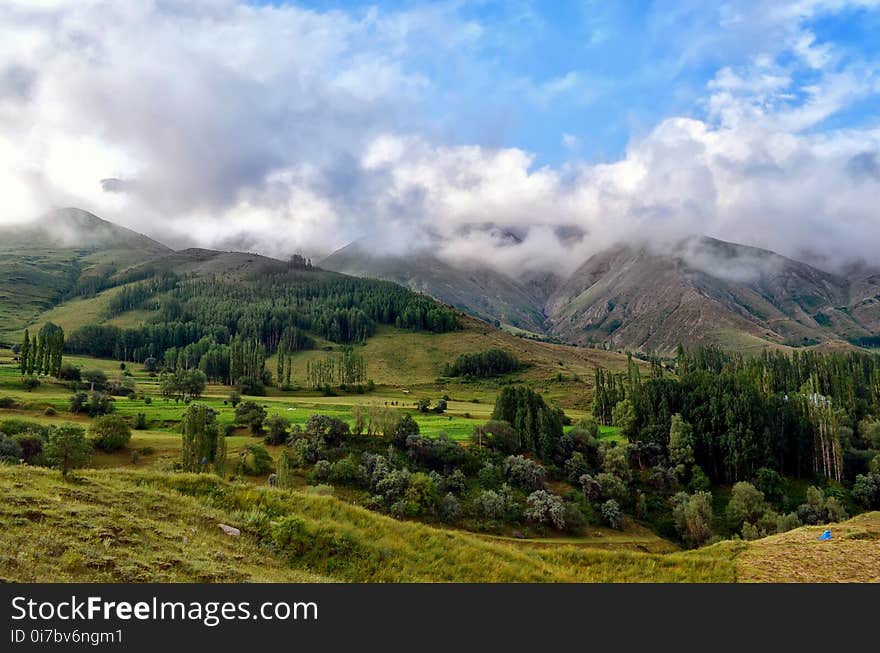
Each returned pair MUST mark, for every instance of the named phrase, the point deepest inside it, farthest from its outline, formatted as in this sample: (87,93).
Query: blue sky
(303,126)
(618,68)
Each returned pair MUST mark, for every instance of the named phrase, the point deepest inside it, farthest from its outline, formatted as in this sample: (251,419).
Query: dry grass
(853,556)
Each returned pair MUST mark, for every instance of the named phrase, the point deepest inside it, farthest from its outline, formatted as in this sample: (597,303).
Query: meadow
(469,405)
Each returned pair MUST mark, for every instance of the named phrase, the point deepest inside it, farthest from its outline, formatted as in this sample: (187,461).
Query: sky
(516,134)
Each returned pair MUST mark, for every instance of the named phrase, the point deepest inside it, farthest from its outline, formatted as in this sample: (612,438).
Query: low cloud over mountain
(281,129)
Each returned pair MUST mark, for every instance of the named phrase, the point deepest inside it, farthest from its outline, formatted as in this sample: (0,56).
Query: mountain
(698,291)
(480,291)
(65,253)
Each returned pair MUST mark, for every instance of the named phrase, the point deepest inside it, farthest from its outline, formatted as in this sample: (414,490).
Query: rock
(229,530)
(518,535)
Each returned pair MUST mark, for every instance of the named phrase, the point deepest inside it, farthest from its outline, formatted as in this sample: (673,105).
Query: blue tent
(825,536)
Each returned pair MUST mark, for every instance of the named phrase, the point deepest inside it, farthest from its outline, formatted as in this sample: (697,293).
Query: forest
(272,312)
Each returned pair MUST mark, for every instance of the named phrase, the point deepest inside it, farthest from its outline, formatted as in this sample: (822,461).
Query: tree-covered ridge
(801,414)
(259,309)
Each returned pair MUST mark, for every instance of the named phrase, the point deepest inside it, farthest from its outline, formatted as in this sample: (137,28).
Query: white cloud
(279,129)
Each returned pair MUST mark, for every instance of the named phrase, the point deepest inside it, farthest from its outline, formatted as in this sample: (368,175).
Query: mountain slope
(66,253)
(700,293)
(700,290)
(480,291)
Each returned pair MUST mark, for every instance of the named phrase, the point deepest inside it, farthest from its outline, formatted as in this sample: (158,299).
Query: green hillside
(128,527)
(118,526)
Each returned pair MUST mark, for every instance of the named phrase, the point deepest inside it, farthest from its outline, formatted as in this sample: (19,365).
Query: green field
(161,440)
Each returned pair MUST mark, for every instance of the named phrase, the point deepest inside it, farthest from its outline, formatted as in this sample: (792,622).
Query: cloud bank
(279,129)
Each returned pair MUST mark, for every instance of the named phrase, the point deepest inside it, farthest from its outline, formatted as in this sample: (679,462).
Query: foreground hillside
(116,526)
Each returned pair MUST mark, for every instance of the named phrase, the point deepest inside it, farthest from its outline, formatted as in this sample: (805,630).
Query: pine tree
(25,353)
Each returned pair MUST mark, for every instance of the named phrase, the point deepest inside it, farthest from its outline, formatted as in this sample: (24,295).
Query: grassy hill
(123,526)
(127,527)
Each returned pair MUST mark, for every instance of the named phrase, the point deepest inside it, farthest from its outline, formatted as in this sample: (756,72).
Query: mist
(279,130)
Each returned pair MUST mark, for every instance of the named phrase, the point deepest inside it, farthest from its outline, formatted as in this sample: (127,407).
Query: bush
(69,372)
(787,522)
(50,412)
(611,487)
(32,445)
(524,473)
(10,449)
(322,470)
(30,383)
(234,398)
(251,414)
(67,448)
(140,422)
(405,427)
(347,470)
(91,403)
(746,505)
(448,508)
(612,514)
(110,433)
(491,505)
(693,517)
(148,401)
(7,402)
(331,430)
(545,508)
(866,490)
(575,467)
(277,430)
(497,435)
(253,460)
(248,385)
(97,379)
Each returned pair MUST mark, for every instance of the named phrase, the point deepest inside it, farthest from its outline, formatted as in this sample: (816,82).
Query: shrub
(234,398)
(524,472)
(10,449)
(448,508)
(347,470)
(140,422)
(405,427)
(693,517)
(866,490)
(248,385)
(491,505)
(575,467)
(612,514)
(148,400)
(69,372)
(50,412)
(253,460)
(251,414)
(276,430)
(787,522)
(746,505)
(322,470)
(611,487)
(110,433)
(545,508)
(331,430)
(7,402)
(30,383)
(32,445)
(91,403)
(67,448)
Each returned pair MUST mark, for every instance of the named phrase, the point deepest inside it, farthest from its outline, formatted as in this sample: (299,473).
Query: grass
(852,556)
(124,526)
